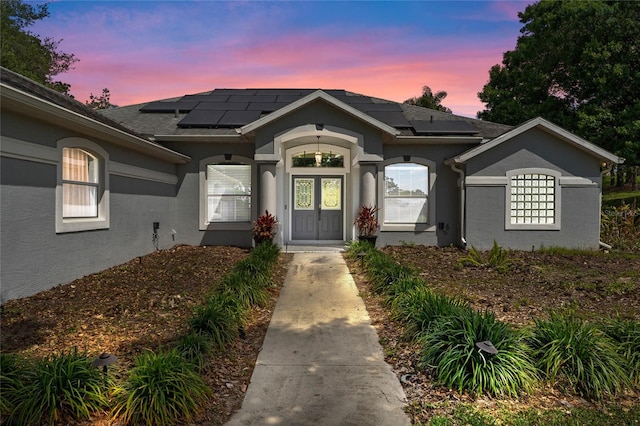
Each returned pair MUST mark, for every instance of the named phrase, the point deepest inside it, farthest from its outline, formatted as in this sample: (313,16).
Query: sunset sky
(150,50)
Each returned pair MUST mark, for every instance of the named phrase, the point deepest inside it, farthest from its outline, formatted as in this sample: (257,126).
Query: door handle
(319,210)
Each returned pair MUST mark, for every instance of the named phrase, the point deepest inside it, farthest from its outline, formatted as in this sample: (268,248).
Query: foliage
(219,318)
(576,64)
(264,227)
(161,388)
(100,102)
(58,385)
(449,346)
(355,247)
(472,415)
(430,100)
(267,252)
(626,334)
(620,226)
(367,221)
(419,307)
(248,289)
(26,53)
(12,379)
(497,258)
(194,347)
(578,354)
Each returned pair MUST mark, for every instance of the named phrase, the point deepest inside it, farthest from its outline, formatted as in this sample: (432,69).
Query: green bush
(219,318)
(419,307)
(449,347)
(402,286)
(354,247)
(160,389)
(497,258)
(626,334)
(194,347)
(247,287)
(56,386)
(12,377)
(267,251)
(578,354)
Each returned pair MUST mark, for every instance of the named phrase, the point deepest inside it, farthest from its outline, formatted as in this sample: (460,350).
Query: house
(83,190)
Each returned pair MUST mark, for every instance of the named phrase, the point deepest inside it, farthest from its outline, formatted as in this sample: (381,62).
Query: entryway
(317,208)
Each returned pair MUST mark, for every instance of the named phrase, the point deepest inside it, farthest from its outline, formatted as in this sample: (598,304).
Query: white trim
(546,126)
(575,181)
(486,181)
(126,170)
(21,150)
(318,94)
(557,202)
(64,225)
(28,151)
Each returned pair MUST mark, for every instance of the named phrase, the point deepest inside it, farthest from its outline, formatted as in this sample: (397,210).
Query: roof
(25,95)
(547,127)
(227,112)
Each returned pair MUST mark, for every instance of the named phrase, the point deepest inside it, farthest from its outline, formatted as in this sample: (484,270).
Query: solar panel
(243,92)
(378,107)
(205,98)
(201,118)
(265,106)
(254,98)
(443,127)
(351,100)
(222,106)
(168,106)
(392,118)
(238,118)
(289,98)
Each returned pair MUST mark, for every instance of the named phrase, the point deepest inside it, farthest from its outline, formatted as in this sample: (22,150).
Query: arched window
(228,192)
(80,183)
(406,193)
(82,190)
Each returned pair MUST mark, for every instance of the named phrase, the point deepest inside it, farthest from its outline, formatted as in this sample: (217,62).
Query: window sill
(226,226)
(416,227)
(531,227)
(79,225)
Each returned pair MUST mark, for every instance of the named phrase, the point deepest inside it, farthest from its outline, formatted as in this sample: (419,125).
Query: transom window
(317,159)
(228,192)
(406,188)
(533,199)
(80,184)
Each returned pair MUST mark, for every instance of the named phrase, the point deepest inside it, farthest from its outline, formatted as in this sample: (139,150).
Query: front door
(317,208)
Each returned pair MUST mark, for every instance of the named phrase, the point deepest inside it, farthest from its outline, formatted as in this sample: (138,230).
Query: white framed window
(228,192)
(533,199)
(407,195)
(82,191)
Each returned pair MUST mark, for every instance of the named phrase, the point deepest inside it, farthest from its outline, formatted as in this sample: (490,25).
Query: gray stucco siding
(534,148)
(579,220)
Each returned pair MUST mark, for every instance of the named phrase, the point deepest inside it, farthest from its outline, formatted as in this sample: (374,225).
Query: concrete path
(321,363)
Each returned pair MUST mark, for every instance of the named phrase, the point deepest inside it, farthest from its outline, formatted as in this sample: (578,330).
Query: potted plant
(264,227)
(367,223)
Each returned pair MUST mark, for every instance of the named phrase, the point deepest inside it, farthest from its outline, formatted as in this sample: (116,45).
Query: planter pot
(371,239)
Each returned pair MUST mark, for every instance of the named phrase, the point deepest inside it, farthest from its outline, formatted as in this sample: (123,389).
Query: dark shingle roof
(221,111)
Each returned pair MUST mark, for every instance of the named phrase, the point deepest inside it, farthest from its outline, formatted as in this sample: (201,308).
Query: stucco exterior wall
(579,194)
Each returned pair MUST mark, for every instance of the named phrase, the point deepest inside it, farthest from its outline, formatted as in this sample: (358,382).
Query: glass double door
(317,212)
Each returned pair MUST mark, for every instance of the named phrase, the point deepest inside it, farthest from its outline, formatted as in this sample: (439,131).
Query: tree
(577,64)
(26,53)
(430,100)
(100,102)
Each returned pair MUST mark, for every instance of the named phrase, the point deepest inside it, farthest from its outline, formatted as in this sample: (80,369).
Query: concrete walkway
(321,363)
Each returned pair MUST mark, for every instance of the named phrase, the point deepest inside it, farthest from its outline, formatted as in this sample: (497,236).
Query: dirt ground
(145,303)
(594,285)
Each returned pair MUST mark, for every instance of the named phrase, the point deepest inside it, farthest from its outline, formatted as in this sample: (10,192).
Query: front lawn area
(590,285)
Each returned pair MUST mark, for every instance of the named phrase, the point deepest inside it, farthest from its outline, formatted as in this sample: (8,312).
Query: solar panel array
(231,108)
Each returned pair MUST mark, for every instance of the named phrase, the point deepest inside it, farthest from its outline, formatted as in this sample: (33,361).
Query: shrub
(194,347)
(267,251)
(626,334)
(578,354)
(419,307)
(12,372)
(160,389)
(219,318)
(264,228)
(449,346)
(248,288)
(402,286)
(355,247)
(497,258)
(59,385)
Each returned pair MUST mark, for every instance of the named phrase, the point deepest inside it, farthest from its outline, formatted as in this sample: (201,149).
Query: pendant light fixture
(318,154)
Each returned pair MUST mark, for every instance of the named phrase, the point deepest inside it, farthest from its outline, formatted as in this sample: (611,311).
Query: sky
(151,50)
